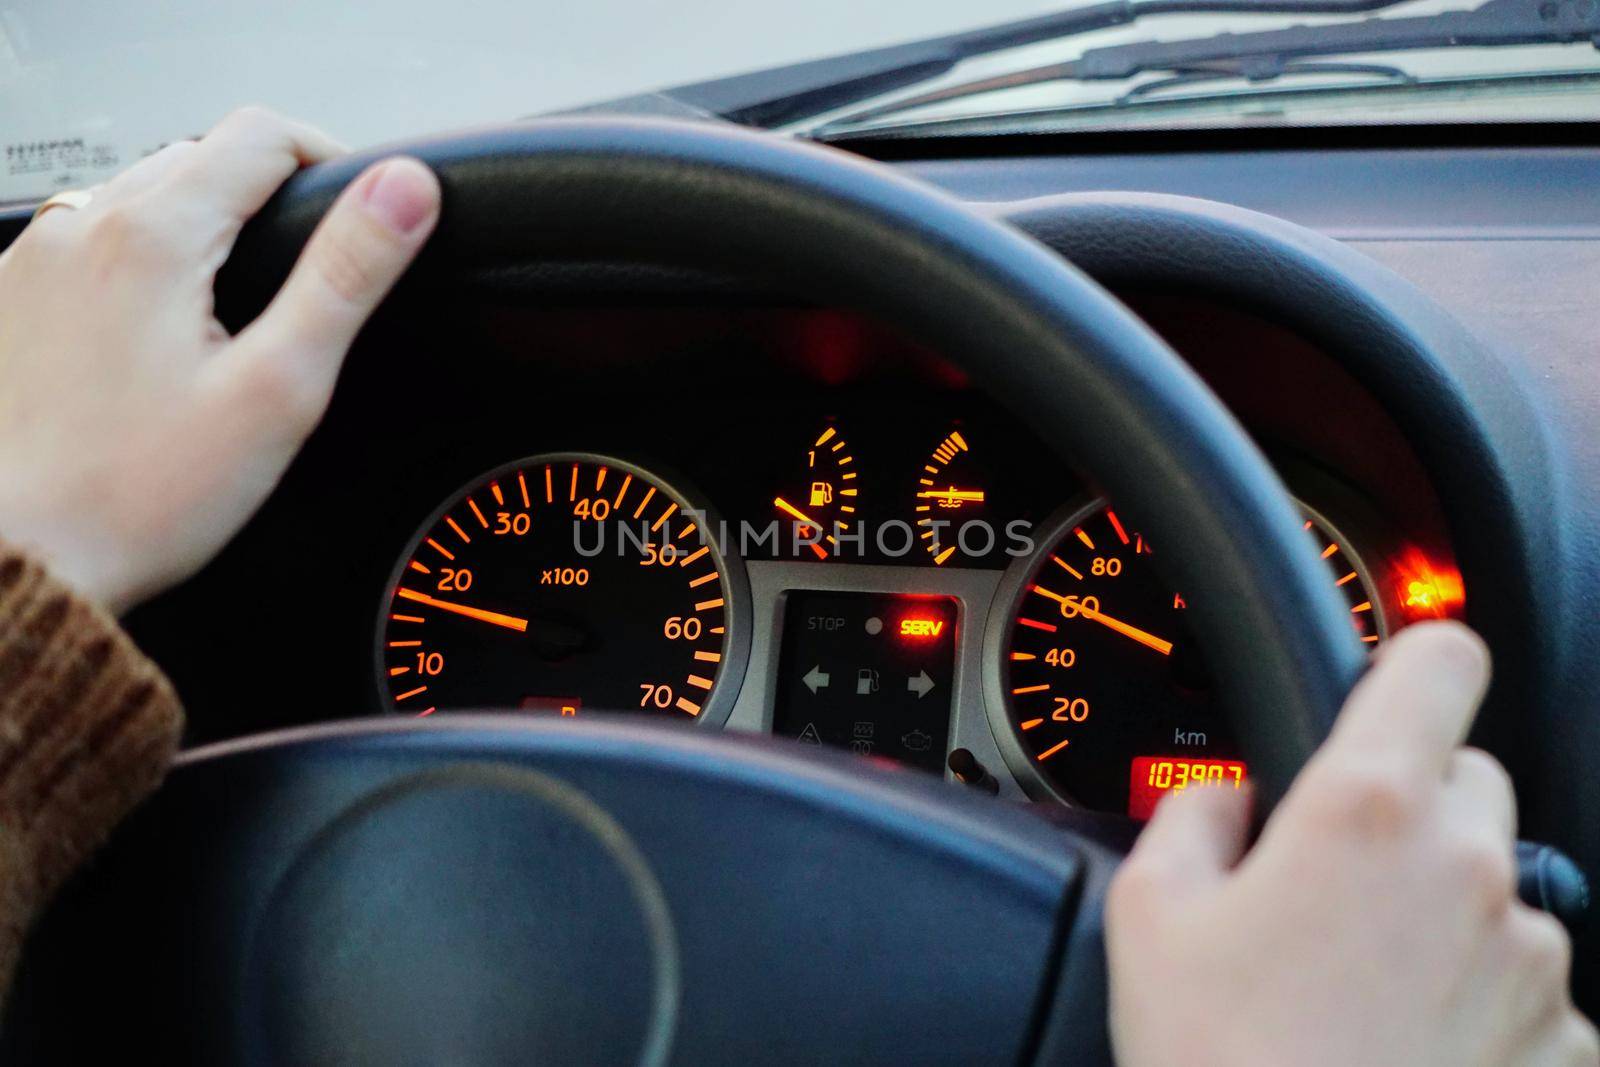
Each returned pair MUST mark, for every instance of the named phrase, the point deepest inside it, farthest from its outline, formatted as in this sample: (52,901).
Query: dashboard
(771,519)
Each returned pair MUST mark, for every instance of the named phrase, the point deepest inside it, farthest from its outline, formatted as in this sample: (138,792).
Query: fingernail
(402,194)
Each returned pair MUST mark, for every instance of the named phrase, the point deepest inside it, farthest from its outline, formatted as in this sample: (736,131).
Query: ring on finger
(67,198)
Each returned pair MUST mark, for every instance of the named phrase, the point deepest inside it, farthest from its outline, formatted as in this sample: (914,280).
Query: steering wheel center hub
(479,903)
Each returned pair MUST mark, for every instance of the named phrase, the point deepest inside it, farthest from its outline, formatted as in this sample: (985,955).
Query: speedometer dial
(564,584)
(1107,701)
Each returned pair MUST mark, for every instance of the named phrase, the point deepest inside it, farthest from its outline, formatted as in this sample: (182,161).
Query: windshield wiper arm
(799,91)
(1267,54)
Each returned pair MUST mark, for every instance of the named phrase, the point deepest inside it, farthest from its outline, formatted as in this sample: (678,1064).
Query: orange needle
(955,496)
(510,622)
(1149,640)
(789,509)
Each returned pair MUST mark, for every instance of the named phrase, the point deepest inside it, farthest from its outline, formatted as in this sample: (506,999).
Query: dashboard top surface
(1536,192)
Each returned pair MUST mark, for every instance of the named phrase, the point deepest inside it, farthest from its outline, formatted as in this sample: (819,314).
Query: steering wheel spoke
(506,890)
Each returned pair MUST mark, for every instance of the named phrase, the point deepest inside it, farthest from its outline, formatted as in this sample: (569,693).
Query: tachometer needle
(1145,638)
(510,622)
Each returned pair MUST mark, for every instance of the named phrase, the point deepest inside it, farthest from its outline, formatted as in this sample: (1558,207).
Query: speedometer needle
(510,622)
(1145,638)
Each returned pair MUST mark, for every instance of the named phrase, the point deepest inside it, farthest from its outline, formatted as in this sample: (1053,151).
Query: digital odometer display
(560,584)
(1152,777)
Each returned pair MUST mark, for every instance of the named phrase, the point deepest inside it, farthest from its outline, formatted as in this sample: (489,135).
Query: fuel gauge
(823,498)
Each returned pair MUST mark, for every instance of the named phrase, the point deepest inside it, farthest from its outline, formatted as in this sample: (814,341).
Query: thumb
(365,242)
(1196,836)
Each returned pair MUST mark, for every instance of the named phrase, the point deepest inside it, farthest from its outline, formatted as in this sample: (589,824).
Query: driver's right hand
(1375,922)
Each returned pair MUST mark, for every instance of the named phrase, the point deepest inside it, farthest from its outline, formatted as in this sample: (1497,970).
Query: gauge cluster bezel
(728,394)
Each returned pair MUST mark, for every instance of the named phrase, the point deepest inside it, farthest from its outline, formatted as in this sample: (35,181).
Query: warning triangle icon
(809,735)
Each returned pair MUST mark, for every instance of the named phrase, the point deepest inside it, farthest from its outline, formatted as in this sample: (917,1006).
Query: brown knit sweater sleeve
(87,728)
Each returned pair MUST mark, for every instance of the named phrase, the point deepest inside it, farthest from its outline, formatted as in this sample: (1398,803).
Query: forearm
(137,438)
(88,726)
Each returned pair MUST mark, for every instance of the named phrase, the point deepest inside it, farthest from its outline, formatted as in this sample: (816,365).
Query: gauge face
(948,494)
(822,497)
(562,584)
(1108,702)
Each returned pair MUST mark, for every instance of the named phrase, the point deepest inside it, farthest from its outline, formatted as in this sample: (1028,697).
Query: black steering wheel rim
(1049,343)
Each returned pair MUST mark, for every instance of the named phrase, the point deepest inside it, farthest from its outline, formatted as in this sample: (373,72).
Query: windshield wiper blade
(1264,55)
(800,91)
(1230,71)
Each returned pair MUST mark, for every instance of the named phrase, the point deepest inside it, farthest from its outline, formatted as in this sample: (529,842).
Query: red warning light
(921,628)
(1425,589)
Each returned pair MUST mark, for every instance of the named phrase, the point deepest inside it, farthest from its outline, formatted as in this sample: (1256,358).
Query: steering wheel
(490,889)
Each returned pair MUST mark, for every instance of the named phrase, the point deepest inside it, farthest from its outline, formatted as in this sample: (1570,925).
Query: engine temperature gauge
(948,495)
(823,498)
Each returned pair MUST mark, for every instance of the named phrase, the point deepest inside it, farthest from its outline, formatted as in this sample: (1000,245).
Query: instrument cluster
(583,583)
(775,520)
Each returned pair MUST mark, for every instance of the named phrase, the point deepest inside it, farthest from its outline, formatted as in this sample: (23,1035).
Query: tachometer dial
(1106,700)
(949,493)
(823,498)
(564,584)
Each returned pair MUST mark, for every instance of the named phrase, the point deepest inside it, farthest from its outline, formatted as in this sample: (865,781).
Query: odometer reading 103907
(560,584)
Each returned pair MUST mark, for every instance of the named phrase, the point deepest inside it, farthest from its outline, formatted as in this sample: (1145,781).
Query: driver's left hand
(136,435)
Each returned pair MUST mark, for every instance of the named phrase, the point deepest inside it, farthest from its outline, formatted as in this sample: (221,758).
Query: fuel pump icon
(821,494)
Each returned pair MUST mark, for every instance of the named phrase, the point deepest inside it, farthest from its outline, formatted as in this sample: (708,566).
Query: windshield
(87,87)
(1427,61)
